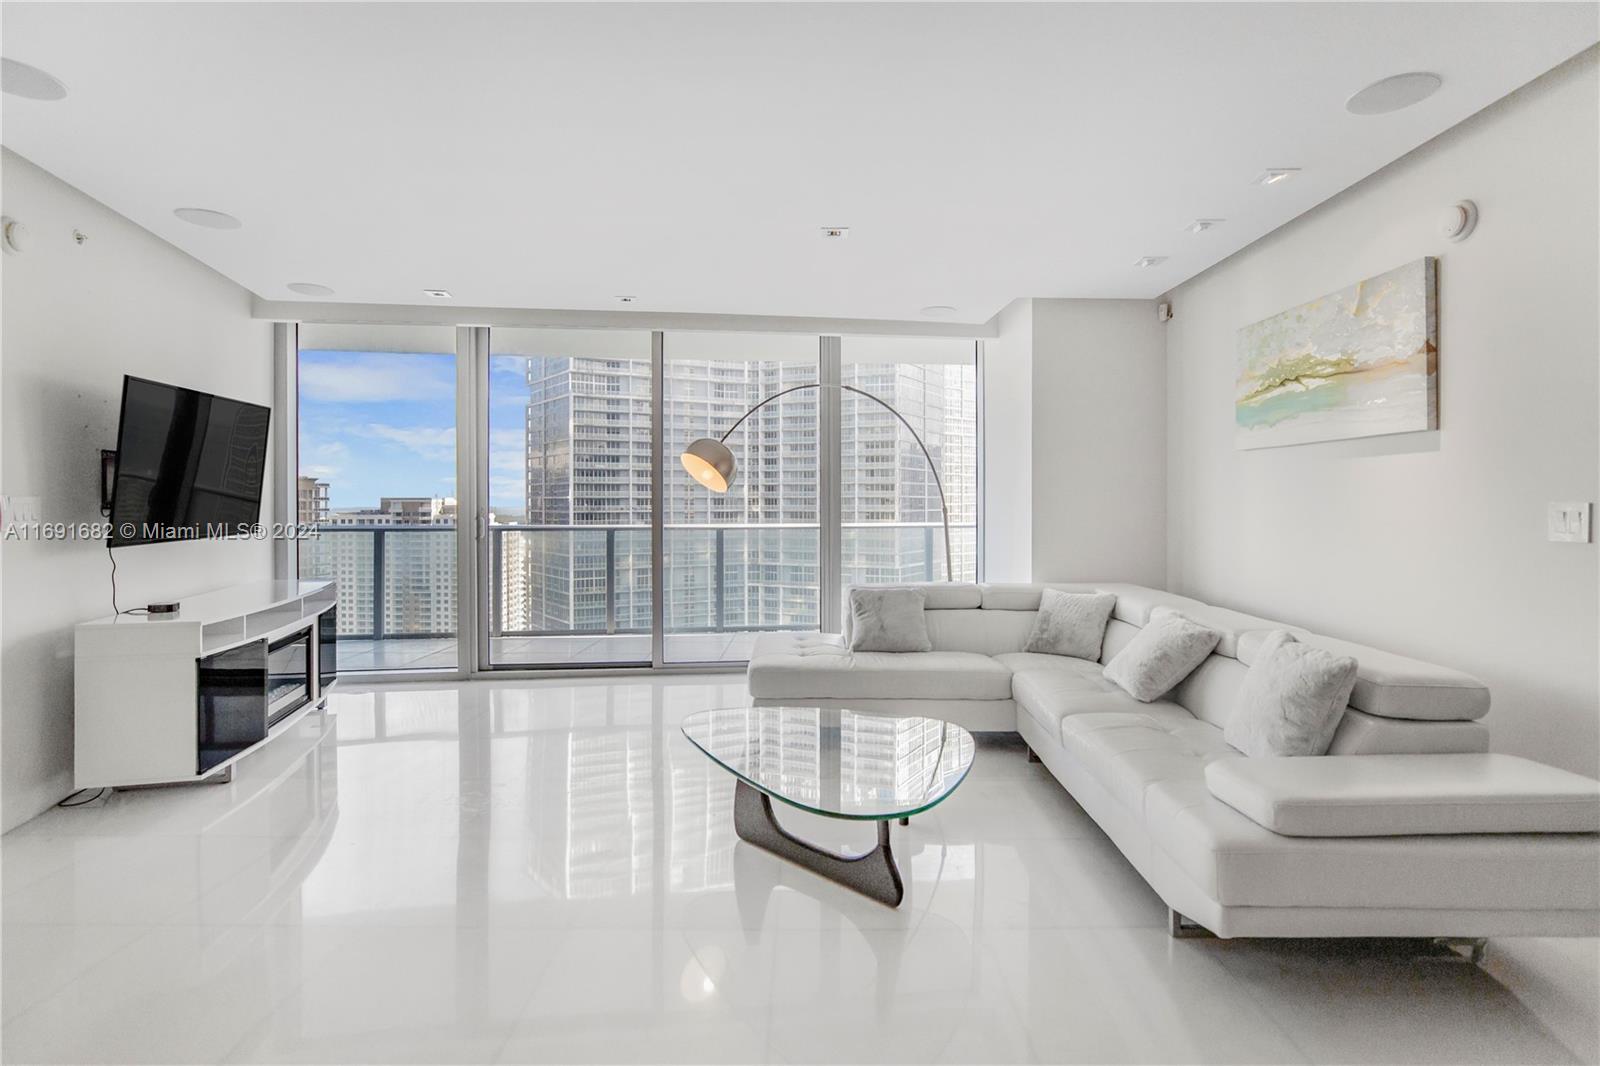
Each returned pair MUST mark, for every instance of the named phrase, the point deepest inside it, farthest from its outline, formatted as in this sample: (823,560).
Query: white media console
(171,698)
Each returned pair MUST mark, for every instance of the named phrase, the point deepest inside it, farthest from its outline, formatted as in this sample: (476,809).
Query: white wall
(1074,443)
(1430,544)
(76,318)
(1099,442)
(1007,451)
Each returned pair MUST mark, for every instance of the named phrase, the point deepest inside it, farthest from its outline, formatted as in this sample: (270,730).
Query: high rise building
(312,499)
(748,558)
(395,564)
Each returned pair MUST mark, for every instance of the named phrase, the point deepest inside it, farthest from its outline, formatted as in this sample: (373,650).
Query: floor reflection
(514,871)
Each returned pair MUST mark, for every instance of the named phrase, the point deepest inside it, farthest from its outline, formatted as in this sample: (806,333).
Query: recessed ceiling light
(19,79)
(938,311)
(437,294)
(1394,93)
(835,232)
(204,216)
(1151,260)
(309,288)
(1277,174)
(1200,225)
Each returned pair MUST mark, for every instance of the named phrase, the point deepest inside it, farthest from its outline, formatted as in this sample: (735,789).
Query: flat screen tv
(189,465)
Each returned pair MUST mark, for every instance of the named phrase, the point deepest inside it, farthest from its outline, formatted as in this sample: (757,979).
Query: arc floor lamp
(710,461)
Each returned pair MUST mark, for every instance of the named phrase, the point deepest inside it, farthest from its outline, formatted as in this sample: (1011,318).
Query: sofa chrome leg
(1181,928)
(1032,757)
(1471,948)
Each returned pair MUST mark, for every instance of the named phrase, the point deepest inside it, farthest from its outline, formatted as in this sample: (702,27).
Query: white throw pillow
(888,620)
(1163,653)
(1292,699)
(1071,623)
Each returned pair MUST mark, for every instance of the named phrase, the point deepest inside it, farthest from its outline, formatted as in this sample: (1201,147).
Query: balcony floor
(402,653)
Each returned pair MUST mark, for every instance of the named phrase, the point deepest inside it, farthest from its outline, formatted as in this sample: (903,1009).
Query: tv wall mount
(108,477)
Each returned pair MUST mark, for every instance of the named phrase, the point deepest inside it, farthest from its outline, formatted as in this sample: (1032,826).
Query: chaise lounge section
(1406,828)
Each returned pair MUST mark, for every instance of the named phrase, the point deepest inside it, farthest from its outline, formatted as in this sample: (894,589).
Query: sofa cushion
(1211,691)
(1360,733)
(888,619)
(1031,661)
(1018,597)
(1398,795)
(1241,864)
(936,596)
(986,632)
(1291,700)
(792,666)
(1393,686)
(1070,623)
(1127,752)
(1166,650)
(1135,602)
(1050,687)
(1231,627)
(1118,636)
(949,595)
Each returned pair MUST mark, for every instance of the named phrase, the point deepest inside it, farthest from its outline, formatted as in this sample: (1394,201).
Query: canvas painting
(1360,362)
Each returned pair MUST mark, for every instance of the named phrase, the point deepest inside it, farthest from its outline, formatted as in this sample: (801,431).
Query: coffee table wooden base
(873,874)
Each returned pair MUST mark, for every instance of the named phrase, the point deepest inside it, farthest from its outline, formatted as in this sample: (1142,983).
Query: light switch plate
(19,510)
(1569,522)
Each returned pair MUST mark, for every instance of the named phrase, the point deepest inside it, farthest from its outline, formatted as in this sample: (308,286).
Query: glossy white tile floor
(518,872)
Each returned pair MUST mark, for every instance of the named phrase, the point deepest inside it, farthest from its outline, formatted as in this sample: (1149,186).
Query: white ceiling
(558,156)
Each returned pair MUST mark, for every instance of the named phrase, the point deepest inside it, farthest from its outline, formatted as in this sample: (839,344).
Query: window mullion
(829,485)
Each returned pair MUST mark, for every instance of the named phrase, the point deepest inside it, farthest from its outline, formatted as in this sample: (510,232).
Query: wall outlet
(1569,522)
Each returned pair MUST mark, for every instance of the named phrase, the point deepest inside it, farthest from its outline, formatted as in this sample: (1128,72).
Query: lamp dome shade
(709,462)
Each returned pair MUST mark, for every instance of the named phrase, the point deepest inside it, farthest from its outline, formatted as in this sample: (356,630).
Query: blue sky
(383,424)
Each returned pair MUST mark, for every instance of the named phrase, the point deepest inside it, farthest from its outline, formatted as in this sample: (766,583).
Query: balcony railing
(398,582)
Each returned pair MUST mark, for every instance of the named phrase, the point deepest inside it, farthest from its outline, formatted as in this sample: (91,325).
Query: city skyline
(569,450)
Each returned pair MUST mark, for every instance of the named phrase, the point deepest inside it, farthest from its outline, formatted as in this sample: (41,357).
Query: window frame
(475,599)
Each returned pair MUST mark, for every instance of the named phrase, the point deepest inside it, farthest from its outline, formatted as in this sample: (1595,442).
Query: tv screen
(189,464)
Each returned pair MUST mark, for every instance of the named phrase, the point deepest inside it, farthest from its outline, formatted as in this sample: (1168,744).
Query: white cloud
(507,488)
(508,450)
(325,460)
(360,378)
(428,442)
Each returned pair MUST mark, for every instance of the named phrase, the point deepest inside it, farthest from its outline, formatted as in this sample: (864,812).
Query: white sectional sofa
(1425,853)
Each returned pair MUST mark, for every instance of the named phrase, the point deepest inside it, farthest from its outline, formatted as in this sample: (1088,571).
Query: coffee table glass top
(843,764)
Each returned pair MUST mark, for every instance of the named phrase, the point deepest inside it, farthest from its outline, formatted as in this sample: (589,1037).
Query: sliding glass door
(744,561)
(586,542)
(568,528)
(377,480)
(891,514)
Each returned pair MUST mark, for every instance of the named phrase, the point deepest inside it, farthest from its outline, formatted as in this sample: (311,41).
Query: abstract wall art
(1360,362)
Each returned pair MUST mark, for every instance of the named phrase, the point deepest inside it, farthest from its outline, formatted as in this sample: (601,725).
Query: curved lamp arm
(944,507)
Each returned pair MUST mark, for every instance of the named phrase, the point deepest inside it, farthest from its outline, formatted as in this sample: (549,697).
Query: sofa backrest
(994,618)
(987,619)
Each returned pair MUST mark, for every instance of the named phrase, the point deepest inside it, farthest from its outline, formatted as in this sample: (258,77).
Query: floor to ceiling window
(892,529)
(563,503)
(377,479)
(744,561)
(569,497)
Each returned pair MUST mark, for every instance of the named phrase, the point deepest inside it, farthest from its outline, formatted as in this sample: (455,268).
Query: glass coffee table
(839,764)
